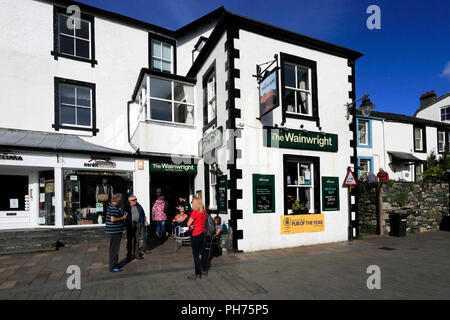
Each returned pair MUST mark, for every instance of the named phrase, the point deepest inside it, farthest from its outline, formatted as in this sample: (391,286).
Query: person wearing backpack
(197,222)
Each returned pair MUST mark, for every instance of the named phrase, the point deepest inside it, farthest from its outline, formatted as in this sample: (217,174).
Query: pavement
(411,267)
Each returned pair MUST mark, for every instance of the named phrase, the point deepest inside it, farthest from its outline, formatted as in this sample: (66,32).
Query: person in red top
(197,222)
(382,175)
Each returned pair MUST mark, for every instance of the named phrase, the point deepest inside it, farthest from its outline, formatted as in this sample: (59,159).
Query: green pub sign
(169,167)
(298,139)
(222,195)
(330,193)
(263,193)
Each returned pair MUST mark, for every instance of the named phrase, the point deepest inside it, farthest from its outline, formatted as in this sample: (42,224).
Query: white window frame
(361,175)
(74,105)
(75,38)
(418,138)
(307,92)
(211,95)
(441,134)
(366,131)
(173,101)
(298,186)
(212,191)
(160,57)
(445,113)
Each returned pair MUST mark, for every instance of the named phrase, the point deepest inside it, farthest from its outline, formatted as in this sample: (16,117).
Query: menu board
(263,193)
(330,193)
(222,195)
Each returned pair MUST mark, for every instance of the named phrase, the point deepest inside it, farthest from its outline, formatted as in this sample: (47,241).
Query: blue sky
(408,56)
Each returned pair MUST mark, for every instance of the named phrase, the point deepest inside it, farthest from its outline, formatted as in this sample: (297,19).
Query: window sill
(368,146)
(170,123)
(58,127)
(93,62)
(300,116)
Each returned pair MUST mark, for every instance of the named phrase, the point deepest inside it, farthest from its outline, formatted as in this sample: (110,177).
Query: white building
(398,144)
(433,108)
(127,101)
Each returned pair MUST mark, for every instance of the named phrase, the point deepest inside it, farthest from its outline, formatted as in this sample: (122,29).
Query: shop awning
(46,141)
(403,156)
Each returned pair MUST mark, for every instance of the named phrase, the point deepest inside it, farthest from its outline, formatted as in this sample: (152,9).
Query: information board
(222,195)
(263,193)
(330,193)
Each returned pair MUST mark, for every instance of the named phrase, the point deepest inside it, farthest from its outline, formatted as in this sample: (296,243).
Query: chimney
(427,98)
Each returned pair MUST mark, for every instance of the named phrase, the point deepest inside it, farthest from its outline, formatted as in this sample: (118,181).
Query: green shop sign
(298,139)
(330,193)
(222,195)
(169,167)
(263,193)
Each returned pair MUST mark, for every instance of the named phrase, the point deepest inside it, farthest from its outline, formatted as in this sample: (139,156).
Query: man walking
(114,226)
(135,225)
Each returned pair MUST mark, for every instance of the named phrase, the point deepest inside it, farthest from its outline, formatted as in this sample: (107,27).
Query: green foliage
(401,198)
(391,182)
(299,206)
(436,168)
(435,215)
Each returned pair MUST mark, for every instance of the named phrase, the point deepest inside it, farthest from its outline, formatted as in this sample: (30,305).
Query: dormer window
(162,56)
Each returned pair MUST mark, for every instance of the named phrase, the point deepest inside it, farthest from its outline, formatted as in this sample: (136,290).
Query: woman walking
(197,223)
(159,216)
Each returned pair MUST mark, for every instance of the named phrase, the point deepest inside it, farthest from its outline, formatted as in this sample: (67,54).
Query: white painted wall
(433,112)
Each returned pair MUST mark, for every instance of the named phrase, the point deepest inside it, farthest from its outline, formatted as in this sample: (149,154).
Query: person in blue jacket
(135,225)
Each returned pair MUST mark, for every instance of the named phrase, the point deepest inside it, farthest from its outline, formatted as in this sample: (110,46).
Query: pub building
(250,117)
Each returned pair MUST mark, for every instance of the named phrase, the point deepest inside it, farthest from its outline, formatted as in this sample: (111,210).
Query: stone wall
(426,205)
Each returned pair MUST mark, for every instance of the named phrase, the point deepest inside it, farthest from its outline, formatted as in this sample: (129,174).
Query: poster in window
(263,193)
(330,193)
(268,93)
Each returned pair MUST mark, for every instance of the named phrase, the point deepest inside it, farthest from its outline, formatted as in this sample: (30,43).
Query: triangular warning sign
(350,179)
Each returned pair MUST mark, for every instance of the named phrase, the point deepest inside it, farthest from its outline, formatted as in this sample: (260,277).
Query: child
(179,220)
(219,226)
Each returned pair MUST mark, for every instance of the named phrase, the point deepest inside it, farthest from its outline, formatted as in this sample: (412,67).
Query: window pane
(84,97)
(83,31)
(166,66)
(167,52)
(160,89)
(156,49)
(13,188)
(364,168)
(156,64)
(67,94)
(302,78)
(82,49)
(211,110)
(160,110)
(63,25)
(362,130)
(305,174)
(183,92)
(66,45)
(303,102)
(67,115)
(289,75)
(292,173)
(84,116)
(289,98)
(184,113)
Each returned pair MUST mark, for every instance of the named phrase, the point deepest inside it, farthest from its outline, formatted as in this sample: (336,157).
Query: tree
(436,169)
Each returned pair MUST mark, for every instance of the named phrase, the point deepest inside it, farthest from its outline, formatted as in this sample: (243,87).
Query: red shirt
(199,222)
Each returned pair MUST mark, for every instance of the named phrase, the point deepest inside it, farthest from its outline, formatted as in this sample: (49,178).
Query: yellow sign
(302,223)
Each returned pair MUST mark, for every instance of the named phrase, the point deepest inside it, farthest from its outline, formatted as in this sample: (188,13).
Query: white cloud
(446,72)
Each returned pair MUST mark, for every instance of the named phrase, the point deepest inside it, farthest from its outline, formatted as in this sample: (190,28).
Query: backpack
(210,226)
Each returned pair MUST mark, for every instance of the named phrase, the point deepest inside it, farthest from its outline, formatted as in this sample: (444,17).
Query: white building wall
(27,79)
(263,231)
(433,112)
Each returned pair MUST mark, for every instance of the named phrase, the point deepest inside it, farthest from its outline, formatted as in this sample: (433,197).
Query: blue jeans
(199,247)
(161,228)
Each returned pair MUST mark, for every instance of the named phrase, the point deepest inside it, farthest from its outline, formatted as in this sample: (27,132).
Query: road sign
(350,180)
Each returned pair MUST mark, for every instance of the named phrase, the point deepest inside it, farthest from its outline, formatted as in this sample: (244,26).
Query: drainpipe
(136,149)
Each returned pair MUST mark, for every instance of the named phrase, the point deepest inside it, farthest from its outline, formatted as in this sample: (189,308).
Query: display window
(14,193)
(87,194)
(47,198)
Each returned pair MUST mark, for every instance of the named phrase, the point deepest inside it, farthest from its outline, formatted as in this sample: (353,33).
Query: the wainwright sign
(297,139)
(100,163)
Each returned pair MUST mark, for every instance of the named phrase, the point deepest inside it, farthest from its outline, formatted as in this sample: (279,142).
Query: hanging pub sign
(268,93)
(330,193)
(211,141)
(300,139)
(222,195)
(263,193)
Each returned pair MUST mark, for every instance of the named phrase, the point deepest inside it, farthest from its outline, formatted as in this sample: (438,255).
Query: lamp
(215,169)
(366,107)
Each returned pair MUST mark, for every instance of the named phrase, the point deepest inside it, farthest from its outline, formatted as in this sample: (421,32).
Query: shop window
(419,139)
(73,39)
(47,198)
(171,101)
(87,194)
(162,57)
(14,193)
(299,87)
(301,183)
(445,113)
